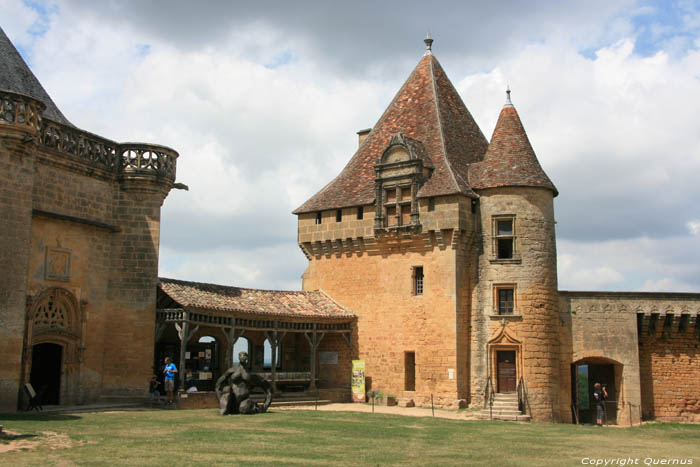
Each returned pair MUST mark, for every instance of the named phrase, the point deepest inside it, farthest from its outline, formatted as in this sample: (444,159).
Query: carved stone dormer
(400,172)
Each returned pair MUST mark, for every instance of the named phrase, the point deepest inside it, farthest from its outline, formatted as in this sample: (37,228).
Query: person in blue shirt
(169,370)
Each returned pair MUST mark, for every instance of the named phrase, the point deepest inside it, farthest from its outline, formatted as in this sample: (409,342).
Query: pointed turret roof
(510,159)
(15,76)
(429,109)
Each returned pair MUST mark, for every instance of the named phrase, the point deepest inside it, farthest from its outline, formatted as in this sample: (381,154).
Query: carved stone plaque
(57,266)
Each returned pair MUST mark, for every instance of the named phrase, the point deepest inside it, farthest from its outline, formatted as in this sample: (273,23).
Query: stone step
(510,416)
(505,396)
(508,403)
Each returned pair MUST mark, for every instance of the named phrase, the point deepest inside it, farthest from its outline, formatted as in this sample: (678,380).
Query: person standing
(169,370)
(153,392)
(599,396)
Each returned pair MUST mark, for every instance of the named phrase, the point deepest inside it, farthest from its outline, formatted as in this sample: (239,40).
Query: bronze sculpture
(234,386)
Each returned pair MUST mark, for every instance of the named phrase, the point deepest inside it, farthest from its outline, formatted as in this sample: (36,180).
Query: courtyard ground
(330,436)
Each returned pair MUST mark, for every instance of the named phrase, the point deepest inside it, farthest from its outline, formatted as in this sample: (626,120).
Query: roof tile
(427,108)
(273,303)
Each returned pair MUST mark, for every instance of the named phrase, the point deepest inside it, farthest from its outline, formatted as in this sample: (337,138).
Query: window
(418,280)
(504,237)
(391,215)
(431,204)
(318,217)
(409,371)
(505,297)
(338,215)
(360,213)
(398,206)
(405,214)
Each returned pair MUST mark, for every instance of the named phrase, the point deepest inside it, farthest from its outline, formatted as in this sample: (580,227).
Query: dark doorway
(506,370)
(410,371)
(46,372)
(583,376)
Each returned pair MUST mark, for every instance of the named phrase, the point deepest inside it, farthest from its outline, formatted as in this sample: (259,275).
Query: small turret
(510,159)
(514,321)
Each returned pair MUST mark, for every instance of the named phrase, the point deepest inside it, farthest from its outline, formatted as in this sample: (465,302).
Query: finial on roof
(428,44)
(508,102)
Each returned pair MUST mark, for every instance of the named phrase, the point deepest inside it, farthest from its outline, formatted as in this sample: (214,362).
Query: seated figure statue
(234,386)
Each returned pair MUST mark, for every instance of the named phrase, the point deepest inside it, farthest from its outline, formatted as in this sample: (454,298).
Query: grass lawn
(202,437)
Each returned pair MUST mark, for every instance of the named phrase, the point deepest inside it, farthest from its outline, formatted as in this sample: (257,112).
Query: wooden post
(185,335)
(182,332)
(275,338)
(313,341)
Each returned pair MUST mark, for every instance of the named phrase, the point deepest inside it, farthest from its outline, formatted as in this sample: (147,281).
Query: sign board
(358,381)
(328,358)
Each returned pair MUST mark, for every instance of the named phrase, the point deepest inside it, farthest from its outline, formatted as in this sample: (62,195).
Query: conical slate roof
(15,76)
(510,159)
(427,108)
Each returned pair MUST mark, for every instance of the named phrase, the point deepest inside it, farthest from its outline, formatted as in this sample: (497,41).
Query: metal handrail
(523,402)
(489,396)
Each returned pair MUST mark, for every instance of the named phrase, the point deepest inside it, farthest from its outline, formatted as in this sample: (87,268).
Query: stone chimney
(362,134)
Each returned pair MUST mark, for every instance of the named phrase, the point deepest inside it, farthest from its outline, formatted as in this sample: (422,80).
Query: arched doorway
(241,345)
(54,340)
(45,377)
(584,374)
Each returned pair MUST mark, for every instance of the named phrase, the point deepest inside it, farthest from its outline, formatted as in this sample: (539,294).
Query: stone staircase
(505,407)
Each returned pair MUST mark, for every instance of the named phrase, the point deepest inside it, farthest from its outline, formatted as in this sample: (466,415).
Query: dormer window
(401,171)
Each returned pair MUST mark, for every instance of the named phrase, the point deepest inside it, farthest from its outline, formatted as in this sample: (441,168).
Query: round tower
(514,320)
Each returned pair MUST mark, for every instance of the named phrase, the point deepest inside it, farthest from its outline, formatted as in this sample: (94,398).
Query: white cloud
(615,131)
(694,227)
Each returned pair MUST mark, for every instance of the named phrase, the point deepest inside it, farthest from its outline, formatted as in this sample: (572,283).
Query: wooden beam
(183,333)
(314,339)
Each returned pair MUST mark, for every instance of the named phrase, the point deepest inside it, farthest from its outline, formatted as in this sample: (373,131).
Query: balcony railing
(127,158)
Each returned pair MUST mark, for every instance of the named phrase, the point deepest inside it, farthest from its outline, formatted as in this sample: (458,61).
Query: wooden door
(506,370)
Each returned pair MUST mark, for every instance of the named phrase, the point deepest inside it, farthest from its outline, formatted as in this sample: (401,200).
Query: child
(154,394)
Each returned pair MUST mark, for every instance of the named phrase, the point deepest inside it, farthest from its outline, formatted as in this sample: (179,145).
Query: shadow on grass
(6,437)
(38,416)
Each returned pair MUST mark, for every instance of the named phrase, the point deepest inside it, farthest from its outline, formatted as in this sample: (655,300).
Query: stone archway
(54,331)
(587,371)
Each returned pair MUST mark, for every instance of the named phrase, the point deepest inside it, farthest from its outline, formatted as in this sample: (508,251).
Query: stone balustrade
(20,110)
(25,112)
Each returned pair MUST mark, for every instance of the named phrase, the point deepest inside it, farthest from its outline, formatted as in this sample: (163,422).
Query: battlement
(24,114)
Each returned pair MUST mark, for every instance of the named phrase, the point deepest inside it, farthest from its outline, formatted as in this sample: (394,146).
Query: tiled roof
(426,108)
(510,159)
(273,303)
(15,76)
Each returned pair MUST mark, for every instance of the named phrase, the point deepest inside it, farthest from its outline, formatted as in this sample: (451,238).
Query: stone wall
(16,181)
(657,374)
(82,223)
(373,277)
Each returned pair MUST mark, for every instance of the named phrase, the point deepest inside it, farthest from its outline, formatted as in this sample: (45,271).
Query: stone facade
(79,252)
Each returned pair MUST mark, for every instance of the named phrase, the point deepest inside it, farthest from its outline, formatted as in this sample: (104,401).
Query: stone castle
(432,257)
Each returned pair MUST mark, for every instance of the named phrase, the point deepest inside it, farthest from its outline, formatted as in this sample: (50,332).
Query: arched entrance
(54,347)
(584,374)
(45,377)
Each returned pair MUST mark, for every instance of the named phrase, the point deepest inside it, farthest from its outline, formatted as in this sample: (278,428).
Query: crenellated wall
(374,278)
(645,336)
